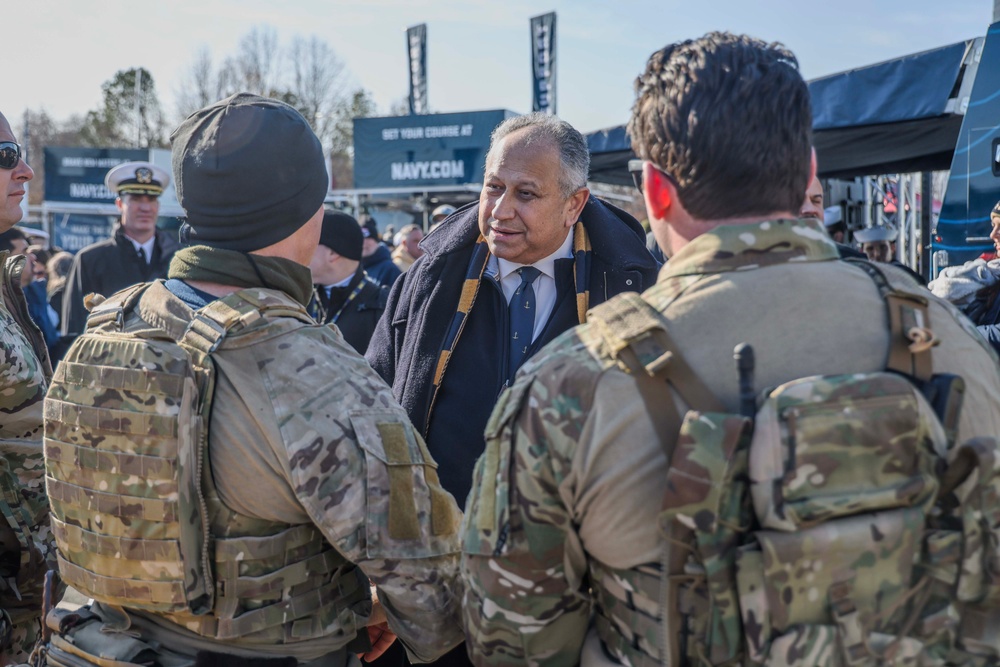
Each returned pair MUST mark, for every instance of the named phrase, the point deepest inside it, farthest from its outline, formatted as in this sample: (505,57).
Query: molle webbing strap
(130,548)
(113,312)
(255,548)
(126,422)
(628,616)
(109,377)
(272,584)
(165,594)
(152,510)
(635,334)
(910,335)
(344,588)
(214,321)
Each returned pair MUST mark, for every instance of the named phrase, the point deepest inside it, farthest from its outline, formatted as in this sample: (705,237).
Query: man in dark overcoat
(137,251)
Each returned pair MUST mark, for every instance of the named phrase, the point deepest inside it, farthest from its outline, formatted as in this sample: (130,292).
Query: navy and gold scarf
(470,289)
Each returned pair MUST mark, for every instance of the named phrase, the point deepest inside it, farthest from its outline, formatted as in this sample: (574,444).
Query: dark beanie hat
(249,172)
(342,234)
(370,228)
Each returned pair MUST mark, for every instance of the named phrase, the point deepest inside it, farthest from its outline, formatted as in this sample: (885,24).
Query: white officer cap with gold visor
(137,178)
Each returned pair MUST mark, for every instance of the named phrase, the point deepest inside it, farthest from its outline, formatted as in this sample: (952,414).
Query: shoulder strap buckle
(910,335)
(637,338)
(213,322)
(628,329)
(112,311)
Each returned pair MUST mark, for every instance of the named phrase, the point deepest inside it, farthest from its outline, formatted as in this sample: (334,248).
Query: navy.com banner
(416,51)
(76,175)
(435,149)
(543,63)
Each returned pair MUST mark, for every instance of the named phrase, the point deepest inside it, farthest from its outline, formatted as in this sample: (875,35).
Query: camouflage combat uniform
(24,376)
(563,518)
(302,434)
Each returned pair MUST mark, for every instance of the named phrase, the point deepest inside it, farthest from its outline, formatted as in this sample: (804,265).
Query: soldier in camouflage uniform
(317,483)
(24,375)
(563,554)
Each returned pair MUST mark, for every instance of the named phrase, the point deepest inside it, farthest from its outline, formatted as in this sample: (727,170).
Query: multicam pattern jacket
(567,495)
(24,376)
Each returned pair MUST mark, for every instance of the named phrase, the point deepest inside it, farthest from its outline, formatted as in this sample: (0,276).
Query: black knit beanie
(342,234)
(248,171)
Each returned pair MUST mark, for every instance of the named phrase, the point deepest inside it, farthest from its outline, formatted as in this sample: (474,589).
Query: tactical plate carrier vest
(833,523)
(135,514)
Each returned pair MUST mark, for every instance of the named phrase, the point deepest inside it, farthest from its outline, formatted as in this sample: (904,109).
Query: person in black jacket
(376,259)
(344,294)
(497,281)
(137,252)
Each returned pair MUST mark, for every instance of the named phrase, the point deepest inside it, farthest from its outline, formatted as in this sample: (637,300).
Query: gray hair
(573,152)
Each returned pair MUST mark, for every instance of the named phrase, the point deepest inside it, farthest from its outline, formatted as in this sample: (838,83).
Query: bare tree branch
(318,84)
(313,79)
(258,62)
(200,87)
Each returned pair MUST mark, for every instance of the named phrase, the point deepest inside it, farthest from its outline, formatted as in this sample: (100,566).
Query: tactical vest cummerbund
(135,513)
(628,617)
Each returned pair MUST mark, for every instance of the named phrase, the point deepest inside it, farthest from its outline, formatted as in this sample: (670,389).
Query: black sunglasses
(10,154)
(635,168)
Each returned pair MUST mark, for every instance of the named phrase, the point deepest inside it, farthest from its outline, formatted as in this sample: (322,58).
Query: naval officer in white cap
(137,252)
(878,244)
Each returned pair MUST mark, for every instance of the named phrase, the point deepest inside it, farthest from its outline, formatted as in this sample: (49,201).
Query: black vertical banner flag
(543,63)
(416,52)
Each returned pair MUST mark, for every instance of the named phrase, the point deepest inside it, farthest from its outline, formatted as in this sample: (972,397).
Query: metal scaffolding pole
(926,208)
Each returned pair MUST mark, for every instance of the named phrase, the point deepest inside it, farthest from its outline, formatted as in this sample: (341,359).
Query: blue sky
(478,52)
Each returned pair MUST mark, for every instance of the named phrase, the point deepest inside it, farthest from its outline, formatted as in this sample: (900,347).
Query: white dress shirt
(147,247)
(343,283)
(545,284)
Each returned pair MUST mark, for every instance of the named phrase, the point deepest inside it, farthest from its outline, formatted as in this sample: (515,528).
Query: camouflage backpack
(833,523)
(135,513)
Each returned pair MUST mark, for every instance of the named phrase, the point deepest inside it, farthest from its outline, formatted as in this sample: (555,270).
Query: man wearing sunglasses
(25,540)
(596,490)
(137,252)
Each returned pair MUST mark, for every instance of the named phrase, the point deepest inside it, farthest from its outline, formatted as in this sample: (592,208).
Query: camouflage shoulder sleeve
(22,383)
(522,562)
(23,501)
(366,479)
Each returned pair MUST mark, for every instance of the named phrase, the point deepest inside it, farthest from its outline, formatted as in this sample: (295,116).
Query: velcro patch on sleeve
(403,521)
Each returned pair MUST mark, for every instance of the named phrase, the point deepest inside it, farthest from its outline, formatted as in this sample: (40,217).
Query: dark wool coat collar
(409,337)
(603,222)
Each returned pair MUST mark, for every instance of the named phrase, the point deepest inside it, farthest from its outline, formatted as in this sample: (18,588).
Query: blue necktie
(521,318)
